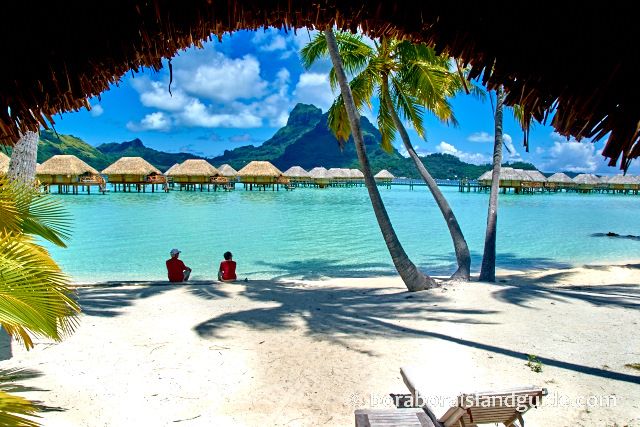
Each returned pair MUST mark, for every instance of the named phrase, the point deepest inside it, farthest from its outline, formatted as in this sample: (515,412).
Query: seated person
(178,272)
(227,271)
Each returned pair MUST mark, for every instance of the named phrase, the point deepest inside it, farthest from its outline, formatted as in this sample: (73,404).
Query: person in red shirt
(227,271)
(178,272)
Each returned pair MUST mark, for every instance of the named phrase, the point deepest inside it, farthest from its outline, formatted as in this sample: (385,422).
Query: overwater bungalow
(228,172)
(558,181)
(340,176)
(197,173)
(533,180)
(4,163)
(320,176)
(509,178)
(136,172)
(384,176)
(297,175)
(624,184)
(586,182)
(356,176)
(69,173)
(262,174)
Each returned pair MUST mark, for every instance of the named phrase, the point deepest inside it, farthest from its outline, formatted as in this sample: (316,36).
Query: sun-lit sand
(298,353)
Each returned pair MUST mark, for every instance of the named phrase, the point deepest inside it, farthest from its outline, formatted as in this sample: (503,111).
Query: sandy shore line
(299,353)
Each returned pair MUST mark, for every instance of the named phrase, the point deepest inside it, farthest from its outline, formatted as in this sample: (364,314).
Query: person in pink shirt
(227,271)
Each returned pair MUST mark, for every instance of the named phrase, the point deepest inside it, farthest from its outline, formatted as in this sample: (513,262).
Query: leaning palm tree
(413,278)
(36,297)
(407,79)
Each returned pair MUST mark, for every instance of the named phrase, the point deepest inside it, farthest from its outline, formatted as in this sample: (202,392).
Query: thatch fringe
(63,70)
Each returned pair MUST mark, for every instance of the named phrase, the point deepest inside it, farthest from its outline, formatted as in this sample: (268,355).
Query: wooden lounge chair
(448,408)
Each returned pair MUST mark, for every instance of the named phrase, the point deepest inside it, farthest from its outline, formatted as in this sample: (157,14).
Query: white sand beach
(298,353)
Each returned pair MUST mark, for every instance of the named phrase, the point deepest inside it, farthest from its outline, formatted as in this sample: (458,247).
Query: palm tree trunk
(22,165)
(413,278)
(488,269)
(459,243)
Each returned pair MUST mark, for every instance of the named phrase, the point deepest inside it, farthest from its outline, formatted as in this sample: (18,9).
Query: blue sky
(240,91)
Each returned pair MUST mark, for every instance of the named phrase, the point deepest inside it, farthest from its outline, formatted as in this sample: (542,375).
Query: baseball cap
(174,251)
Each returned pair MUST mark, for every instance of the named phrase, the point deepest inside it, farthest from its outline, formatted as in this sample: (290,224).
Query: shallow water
(311,233)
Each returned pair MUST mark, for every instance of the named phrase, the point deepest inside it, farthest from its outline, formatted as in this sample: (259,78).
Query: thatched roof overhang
(131,166)
(260,168)
(194,167)
(534,51)
(175,165)
(64,164)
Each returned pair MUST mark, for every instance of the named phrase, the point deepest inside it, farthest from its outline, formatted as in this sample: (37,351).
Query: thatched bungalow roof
(171,169)
(624,179)
(506,174)
(319,173)
(560,178)
(587,178)
(194,167)
(59,72)
(259,168)
(384,174)
(535,175)
(228,171)
(296,172)
(64,164)
(4,163)
(131,166)
(356,173)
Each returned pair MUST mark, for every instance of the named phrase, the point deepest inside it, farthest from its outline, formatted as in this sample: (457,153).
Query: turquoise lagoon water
(312,233)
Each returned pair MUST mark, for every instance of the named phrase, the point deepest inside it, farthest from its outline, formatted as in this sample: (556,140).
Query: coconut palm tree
(407,79)
(488,269)
(413,278)
(36,297)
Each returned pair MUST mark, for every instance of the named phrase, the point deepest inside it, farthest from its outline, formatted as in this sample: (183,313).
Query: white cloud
(480,137)
(96,110)
(539,150)
(158,121)
(196,114)
(314,88)
(571,156)
(510,153)
(223,79)
(474,158)
(156,95)
(276,43)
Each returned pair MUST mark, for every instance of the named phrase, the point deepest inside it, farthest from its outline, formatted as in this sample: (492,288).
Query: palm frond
(13,410)
(34,213)
(407,105)
(314,50)
(35,294)
(386,124)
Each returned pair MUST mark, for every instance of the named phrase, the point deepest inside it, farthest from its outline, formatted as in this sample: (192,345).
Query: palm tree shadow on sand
(331,312)
(10,382)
